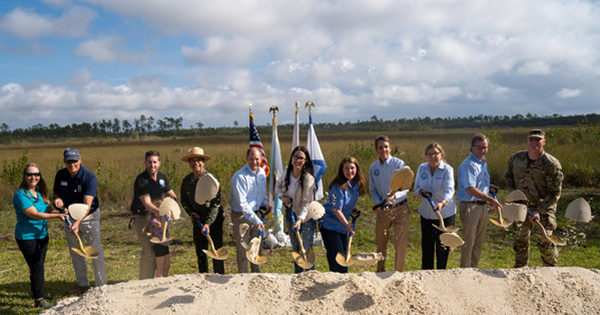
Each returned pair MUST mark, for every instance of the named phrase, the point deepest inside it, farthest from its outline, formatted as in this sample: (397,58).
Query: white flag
(276,173)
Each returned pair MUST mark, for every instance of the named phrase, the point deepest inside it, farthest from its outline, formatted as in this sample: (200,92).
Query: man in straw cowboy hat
(149,186)
(208,211)
(473,195)
(539,175)
(248,195)
(396,215)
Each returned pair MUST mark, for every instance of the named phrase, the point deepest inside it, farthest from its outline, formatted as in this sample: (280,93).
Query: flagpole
(296,132)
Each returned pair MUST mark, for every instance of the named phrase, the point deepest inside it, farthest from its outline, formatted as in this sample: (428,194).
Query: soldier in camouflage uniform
(538,175)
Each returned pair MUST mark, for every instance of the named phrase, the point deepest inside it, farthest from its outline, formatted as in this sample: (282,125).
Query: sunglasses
(33,174)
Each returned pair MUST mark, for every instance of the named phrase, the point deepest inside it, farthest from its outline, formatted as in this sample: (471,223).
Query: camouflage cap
(536,133)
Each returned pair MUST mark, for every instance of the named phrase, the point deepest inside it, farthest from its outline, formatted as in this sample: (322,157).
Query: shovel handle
(201,226)
(294,220)
(427,195)
(354,217)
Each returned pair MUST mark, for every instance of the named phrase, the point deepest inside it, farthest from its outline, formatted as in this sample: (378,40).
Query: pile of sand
(456,291)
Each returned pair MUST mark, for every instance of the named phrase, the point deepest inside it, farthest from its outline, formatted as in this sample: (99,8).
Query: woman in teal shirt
(31,232)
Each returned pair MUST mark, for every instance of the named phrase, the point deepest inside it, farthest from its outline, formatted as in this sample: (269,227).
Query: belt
(478,202)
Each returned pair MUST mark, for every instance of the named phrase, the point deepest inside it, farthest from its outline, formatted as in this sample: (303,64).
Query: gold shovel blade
(219,254)
(551,238)
(156,240)
(88,252)
(449,229)
(505,223)
(341,260)
(304,262)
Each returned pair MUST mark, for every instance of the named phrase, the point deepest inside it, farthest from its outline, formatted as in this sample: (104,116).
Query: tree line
(170,126)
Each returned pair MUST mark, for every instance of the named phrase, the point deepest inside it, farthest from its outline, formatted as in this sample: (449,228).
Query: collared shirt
(145,185)
(209,211)
(440,185)
(472,173)
(379,178)
(248,192)
(72,189)
(26,227)
(339,199)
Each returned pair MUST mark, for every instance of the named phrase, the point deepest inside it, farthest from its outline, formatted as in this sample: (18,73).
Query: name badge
(63,183)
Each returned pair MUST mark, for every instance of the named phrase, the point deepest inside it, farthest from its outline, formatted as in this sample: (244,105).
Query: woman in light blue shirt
(435,177)
(31,232)
(343,195)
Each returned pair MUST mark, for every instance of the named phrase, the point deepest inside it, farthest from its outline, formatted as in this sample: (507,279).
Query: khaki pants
(398,217)
(89,231)
(147,260)
(237,218)
(475,219)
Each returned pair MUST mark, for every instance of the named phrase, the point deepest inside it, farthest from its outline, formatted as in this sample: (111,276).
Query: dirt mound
(456,291)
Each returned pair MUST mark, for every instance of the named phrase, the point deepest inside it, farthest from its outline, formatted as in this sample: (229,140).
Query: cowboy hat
(195,152)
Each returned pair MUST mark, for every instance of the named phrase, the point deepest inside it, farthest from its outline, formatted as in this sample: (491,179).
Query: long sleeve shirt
(440,185)
(248,192)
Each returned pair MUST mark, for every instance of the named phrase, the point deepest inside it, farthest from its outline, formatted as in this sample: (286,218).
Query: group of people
(533,171)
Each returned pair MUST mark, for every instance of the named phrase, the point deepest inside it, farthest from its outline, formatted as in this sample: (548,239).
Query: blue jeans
(307,233)
(335,243)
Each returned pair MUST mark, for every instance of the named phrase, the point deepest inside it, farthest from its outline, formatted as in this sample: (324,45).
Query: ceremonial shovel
(441,227)
(401,179)
(306,258)
(503,223)
(253,253)
(165,207)
(554,239)
(219,254)
(346,260)
(87,252)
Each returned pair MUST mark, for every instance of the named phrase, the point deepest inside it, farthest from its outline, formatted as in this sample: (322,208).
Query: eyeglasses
(71,161)
(480,147)
(432,154)
(198,160)
(33,174)
(299,158)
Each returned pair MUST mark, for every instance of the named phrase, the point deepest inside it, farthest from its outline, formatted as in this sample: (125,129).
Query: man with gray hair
(473,195)
(248,195)
(76,184)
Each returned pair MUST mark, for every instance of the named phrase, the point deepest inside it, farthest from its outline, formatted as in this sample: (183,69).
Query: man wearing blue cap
(76,184)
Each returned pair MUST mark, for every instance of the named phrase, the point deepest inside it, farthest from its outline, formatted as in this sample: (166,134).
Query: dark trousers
(431,244)
(34,252)
(201,242)
(334,243)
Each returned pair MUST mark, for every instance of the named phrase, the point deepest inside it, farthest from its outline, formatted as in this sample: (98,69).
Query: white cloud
(30,25)
(109,49)
(568,93)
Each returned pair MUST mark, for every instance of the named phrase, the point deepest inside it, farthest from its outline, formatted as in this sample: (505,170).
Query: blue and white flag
(316,155)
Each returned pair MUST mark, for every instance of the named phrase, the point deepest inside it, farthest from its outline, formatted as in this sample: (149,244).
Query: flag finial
(250,108)
(296,105)
(309,104)
(274,109)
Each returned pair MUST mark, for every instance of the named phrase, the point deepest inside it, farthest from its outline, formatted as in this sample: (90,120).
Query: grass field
(116,163)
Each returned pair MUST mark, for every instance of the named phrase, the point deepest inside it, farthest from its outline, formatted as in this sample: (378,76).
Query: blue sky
(67,61)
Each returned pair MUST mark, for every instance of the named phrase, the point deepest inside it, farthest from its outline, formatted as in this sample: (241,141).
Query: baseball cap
(71,154)
(536,133)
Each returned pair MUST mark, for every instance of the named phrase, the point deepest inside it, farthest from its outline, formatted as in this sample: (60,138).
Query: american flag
(256,143)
